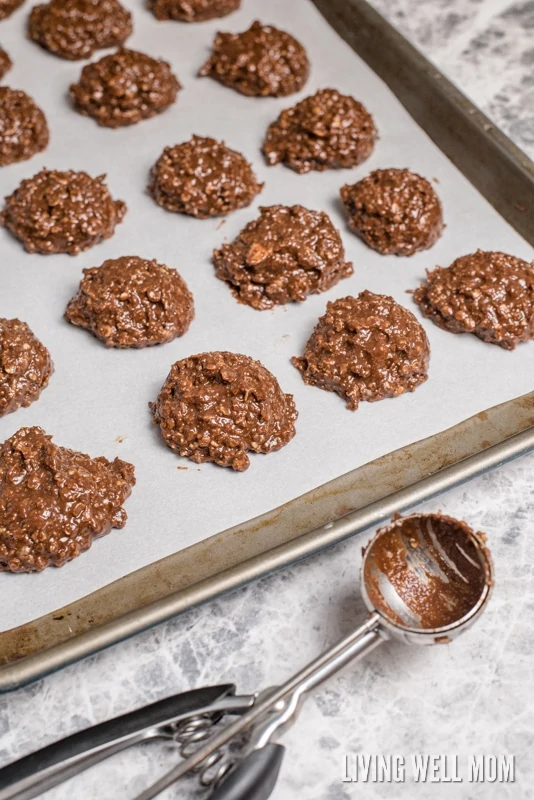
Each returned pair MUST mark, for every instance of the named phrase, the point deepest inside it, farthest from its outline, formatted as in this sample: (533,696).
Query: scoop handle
(254,778)
(40,771)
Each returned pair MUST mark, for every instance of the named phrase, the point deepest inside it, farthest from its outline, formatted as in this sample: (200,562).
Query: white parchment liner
(97,400)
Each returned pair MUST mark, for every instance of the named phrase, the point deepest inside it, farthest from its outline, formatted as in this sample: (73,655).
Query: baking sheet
(97,400)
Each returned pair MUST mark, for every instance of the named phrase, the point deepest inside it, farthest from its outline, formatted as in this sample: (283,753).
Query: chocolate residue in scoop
(203,178)
(132,302)
(74,29)
(394,211)
(426,571)
(124,88)
(260,62)
(329,130)
(23,127)
(219,406)
(285,255)
(489,294)
(55,501)
(61,212)
(192,10)
(366,348)
(25,366)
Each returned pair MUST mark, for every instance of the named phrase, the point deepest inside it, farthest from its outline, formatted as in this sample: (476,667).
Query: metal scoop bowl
(427,577)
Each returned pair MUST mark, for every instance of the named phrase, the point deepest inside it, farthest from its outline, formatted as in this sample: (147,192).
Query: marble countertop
(399,700)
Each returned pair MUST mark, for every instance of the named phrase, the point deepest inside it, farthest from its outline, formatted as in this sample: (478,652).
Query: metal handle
(352,647)
(254,778)
(41,771)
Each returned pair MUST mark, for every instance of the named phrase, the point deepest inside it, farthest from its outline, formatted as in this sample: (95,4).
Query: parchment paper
(97,399)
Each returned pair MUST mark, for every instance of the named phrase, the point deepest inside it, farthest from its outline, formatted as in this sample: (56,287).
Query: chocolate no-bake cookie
(262,61)
(329,130)
(218,406)
(394,211)
(486,293)
(61,212)
(5,63)
(7,7)
(203,178)
(124,88)
(132,302)
(74,29)
(25,366)
(285,254)
(366,348)
(192,10)
(55,501)
(23,127)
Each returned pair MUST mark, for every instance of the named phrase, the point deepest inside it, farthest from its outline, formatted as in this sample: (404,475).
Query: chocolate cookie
(203,178)
(326,131)
(25,366)
(23,127)
(74,29)
(285,254)
(366,348)
(7,7)
(485,293)
(55,501)
(218,406)
(124,88)
(132,302)
(61,212)
(394,211)
(262,61)
(5,63)
(192,10)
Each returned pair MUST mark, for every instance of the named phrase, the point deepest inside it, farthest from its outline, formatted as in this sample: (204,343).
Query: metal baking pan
(361,498)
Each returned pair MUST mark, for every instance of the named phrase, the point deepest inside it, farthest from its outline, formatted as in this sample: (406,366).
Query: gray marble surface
(400,700)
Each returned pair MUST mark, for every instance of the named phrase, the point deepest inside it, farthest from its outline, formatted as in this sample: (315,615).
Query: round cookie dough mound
(74,29)
(326,131)
(5,63)
(394,211)
(285,254)
(192,10)
(23,127)
(486,293)
(123,88)
(61,212)
(218,406)
(132,302)
(203,178)
(260,62)
(366,348)
(55,501)
(25,366)
(7,7)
